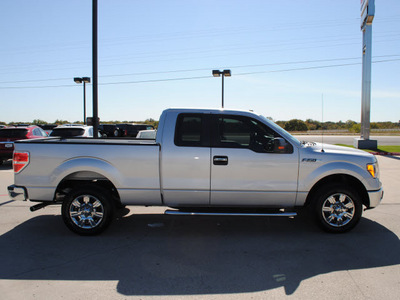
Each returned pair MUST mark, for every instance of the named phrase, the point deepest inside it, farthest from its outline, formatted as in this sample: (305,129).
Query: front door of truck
(251,165)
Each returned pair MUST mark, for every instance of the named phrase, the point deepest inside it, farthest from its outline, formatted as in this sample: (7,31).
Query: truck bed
(131,165)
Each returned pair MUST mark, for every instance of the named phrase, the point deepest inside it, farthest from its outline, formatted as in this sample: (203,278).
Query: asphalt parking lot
(147,255)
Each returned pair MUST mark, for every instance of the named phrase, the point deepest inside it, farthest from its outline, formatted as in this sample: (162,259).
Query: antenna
(322,150)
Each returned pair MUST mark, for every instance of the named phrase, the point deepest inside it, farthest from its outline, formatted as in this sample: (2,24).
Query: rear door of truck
(185,160)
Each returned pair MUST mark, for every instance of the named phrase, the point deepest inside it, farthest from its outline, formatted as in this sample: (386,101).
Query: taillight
(20,161)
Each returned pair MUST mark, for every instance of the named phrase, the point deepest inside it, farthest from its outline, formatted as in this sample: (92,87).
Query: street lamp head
(227,73)
(86,79)
(216,73)
(78,79)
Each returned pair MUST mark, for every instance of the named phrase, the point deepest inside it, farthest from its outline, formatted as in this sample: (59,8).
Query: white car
(73,130)
(147,134)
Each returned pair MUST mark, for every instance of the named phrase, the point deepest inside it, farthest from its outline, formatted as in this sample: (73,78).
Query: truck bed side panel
(132,168)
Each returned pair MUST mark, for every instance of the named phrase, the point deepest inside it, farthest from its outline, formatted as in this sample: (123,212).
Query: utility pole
(95,75)
(367,16)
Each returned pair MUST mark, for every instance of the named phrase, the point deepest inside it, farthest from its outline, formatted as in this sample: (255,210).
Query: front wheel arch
(343,179)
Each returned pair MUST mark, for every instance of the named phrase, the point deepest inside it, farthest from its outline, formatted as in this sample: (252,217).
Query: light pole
(224,73)
(84,80)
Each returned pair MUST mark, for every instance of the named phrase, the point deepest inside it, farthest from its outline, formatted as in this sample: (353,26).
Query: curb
(385,153)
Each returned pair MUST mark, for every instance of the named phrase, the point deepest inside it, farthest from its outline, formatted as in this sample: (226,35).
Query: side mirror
(280,145)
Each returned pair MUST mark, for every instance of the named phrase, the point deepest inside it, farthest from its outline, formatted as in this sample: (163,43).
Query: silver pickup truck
(202,162)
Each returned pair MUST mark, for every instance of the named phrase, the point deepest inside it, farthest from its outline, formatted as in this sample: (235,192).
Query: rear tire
(87,210)
(338,208)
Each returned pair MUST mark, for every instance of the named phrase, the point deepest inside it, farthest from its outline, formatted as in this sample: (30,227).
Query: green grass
(379,149)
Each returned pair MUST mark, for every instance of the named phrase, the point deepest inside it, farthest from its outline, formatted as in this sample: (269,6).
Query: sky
(289,59)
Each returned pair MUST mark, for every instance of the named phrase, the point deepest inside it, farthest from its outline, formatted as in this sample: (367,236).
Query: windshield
(67,132)
(13,133)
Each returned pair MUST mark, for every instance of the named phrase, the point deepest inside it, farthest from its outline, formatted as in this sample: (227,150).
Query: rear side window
(39,132)
(189,130)
(13,133)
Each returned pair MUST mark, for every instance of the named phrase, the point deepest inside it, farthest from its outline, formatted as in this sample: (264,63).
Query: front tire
(87,210)
(338,208)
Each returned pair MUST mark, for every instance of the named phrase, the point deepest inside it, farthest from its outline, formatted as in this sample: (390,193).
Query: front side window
(233,133)
(243,132)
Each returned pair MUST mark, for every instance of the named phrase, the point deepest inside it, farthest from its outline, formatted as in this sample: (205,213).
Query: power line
(201,69)
(205,77)
(236,50)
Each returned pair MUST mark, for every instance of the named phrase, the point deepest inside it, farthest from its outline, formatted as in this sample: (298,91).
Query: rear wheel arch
(78,179)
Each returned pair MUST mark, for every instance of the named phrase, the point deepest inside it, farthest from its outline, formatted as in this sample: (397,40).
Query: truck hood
(337,150)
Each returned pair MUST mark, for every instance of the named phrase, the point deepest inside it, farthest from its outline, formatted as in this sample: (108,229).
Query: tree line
(291,125)
(61,122)
(351,126)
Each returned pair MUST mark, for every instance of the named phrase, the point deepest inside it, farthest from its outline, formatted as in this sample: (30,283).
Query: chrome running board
(238,214)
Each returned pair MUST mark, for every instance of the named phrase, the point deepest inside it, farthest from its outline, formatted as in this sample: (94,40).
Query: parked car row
(9,134)
(123,129)
(73,130)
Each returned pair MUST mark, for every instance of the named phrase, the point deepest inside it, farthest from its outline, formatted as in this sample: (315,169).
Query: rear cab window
(191,131)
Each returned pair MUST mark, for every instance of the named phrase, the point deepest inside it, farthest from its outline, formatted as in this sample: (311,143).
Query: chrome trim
(86,211)
(193,213)
(375,198)
(338,210)
(17,193)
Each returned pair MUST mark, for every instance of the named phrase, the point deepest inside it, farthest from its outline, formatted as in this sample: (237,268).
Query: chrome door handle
(220,160)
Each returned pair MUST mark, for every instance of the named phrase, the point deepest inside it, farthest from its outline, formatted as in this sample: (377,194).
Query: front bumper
(375,197)
(17,193)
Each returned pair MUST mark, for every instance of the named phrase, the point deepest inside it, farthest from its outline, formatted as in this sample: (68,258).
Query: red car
(11,134)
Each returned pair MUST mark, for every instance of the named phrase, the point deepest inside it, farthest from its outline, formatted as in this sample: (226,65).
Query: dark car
(11,134)
(133,129)
(48,128)
(111,130)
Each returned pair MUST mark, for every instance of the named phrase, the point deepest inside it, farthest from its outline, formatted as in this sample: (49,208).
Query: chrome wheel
(338,207)
(86,211)
(338,210)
